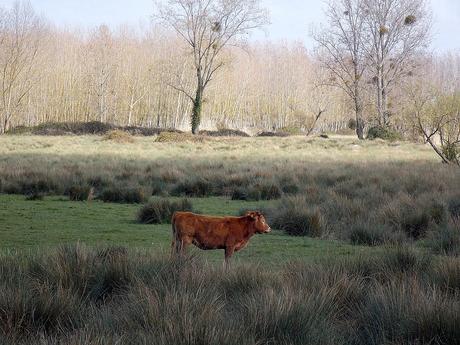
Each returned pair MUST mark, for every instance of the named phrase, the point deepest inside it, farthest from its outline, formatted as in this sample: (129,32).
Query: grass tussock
(377,201)
(114,295)
(126,195)
(160,211)
(225,132)
(172,137)
(119,136)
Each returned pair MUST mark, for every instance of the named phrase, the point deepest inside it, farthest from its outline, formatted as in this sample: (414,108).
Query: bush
(412,217)
(85,128)
(264,191)
(446,239)
(415,223)
(384,133)
(273,134)
(35,196)
(173,137)
(119,136)
(77,128)
(225,132)
(147,132)
(454,206)
(161,211)
(240,194)
(352,124)
(198,188)
(408,313)
(404,259)
(366,234)
(295,218)
(124,195)
(79,193)
(35,185)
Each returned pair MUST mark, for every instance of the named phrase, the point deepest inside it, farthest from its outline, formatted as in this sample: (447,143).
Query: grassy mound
(119,136)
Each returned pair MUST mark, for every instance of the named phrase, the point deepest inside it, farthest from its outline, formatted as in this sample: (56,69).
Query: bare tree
(340,51)
(435,114)
(208,26)
(20,38)
(100,52)
(397,32)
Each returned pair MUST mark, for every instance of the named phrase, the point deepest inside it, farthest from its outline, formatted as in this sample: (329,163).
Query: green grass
(29,225)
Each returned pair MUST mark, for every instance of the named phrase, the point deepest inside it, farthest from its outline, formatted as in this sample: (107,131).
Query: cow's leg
(173,248)
(228,254)
(182,245)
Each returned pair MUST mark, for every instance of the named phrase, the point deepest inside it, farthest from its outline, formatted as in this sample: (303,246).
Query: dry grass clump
(445,239)
(171,137)
(160,211)
(225,132)
(80,193)
(125,195)
(119,136)
(113,295)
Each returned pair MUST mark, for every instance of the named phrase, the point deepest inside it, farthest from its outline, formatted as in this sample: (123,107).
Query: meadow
(365,247)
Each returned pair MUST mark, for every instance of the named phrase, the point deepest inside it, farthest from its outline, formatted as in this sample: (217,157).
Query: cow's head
(259,222)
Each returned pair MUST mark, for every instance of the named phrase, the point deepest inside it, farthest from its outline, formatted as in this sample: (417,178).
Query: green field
(28,225)
(377,263)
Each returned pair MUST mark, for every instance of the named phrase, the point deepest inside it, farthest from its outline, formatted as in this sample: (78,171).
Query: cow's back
(205,231)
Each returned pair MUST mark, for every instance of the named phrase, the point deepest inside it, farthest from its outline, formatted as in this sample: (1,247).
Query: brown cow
(208,233)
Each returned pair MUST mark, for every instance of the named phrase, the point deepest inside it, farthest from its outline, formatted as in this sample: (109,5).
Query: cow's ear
(252,215)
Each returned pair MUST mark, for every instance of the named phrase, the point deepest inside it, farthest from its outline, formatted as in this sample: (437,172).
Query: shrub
(78,128)
(147,132)
(25,311)
(193,188)
(295,218)
(437,212)
(160,211)
(273,134)
(415,223)
(384,133)
(402,259)
(79,193)
(446,239)
(367,234)
(352,124)
(240,194)
(454,206)
(124,195)
(446,275)
(224,132)
(159,188)
(411,217)
(173,137)
(290,188)
(35,196)
(408,313)
(36,185)
(264,191)
(119,136)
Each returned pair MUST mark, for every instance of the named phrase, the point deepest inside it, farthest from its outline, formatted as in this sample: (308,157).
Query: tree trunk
(196,111)
(380,111)
(359,121)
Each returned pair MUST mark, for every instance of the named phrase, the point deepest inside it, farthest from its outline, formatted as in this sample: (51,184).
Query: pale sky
(290,19)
